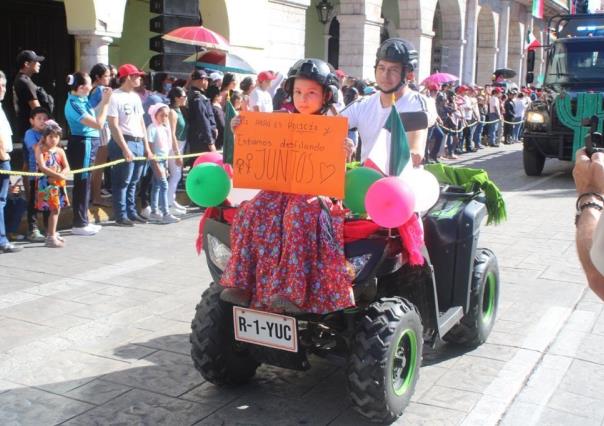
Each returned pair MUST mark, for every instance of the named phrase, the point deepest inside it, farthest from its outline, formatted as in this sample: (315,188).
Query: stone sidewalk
(97,333)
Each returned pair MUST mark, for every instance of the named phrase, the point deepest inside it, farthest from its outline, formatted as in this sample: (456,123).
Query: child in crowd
(160,139)
(37,118)
(51,188)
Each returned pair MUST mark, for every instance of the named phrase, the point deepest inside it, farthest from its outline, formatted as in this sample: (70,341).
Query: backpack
(46,101)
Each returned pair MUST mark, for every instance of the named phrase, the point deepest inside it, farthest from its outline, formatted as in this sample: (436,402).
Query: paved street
(97,333)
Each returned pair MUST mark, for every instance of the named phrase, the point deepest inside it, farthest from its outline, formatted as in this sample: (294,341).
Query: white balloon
(424,186)
(239,195)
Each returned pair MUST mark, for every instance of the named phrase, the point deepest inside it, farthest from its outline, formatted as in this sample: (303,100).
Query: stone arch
(447,44)
(486,45)
(516,49)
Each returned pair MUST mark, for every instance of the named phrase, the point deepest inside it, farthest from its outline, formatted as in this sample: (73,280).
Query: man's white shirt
(369,116)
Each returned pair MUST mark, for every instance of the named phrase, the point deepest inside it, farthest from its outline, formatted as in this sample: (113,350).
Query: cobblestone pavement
(97,333)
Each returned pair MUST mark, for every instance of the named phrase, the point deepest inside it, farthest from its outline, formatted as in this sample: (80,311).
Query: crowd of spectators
(115,114)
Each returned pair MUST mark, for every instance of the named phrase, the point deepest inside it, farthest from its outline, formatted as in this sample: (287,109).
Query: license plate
(265,329)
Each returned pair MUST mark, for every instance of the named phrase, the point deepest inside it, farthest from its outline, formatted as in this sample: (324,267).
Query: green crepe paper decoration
(469,179)
(588,105)
(208,185)
(357,184)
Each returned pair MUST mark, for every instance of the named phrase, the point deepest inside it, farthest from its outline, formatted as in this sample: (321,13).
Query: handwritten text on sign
(295,153)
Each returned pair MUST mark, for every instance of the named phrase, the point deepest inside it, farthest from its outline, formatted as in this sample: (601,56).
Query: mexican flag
(390,153)
(538,9)
(531,42)
(228,142)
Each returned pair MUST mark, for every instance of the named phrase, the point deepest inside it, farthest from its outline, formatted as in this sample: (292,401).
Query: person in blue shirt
(37,118)
(84,124)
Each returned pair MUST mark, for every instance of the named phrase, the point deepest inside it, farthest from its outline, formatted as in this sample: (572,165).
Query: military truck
(573,89)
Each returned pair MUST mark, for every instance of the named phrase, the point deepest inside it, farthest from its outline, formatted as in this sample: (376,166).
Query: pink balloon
(216,158)
(390,202)
(209,157)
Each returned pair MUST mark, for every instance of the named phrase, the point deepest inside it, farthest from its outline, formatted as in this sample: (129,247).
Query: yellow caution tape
(100,166)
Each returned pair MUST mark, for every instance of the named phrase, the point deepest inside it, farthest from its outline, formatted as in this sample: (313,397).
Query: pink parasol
(198,36)
(440,78)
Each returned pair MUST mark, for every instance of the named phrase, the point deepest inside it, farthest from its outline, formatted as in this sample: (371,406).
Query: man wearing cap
(25,96)
(128,140)
(395,60)
(201,129)
(261,99)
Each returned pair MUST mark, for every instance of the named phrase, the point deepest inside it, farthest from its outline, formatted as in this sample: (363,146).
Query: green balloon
(208,185)
(358,182)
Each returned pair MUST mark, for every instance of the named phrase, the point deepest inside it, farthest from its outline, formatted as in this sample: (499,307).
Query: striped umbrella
(221,61)
(198,36)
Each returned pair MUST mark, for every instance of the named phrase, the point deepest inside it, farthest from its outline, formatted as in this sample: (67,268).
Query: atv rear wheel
(386,352)
(533,161)
(216,354)
(477,324)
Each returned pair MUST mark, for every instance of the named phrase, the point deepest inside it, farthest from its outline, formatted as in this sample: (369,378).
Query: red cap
(340,73)
(128,69)
(266,76)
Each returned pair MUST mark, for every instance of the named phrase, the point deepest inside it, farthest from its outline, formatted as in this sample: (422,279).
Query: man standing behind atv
(395,60)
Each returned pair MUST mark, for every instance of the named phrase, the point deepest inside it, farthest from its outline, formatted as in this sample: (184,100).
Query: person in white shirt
(128,140)
(6,147)
(395,60)
(589,180)
(520,105)
(261,99)
(494,115)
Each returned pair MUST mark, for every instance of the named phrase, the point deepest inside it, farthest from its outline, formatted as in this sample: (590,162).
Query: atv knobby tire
(216,354)
(476,325)
(385,357)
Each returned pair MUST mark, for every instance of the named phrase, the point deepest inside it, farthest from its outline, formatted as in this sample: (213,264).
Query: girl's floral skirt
(292,246)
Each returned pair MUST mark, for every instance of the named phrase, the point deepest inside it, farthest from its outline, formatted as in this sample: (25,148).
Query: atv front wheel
(533,161)
(386,352)
(216,354)
(477,324)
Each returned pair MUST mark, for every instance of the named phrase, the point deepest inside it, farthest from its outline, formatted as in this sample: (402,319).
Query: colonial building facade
(467,38)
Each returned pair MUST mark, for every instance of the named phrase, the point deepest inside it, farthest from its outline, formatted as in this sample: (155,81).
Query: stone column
(94,49)
(359,40)
(423,44)
(452,60)
(504,32)
(469,62)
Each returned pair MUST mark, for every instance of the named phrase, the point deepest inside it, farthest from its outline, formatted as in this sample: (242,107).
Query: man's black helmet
(315,70)
(398,50)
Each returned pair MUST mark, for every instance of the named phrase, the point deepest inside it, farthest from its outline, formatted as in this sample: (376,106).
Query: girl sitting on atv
(287,249)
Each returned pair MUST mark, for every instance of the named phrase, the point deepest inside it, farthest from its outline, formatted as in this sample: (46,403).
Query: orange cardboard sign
(295,153)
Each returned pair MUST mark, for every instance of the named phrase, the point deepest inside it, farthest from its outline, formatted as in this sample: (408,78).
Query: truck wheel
(385,357)
(477,324)
(216,354)
(533,161)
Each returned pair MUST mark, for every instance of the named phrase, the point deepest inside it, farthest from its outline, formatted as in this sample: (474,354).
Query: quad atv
(399,308)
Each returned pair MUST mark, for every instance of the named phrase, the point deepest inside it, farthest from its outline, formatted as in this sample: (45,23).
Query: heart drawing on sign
(326,171)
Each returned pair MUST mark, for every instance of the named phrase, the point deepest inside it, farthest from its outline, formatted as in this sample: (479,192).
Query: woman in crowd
(100,74)
(247,86)
(84,140)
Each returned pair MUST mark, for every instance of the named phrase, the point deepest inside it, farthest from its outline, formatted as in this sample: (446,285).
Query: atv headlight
(219,253)
(535,117)
(359,262)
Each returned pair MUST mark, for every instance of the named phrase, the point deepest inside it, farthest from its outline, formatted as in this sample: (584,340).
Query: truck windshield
(576,62)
